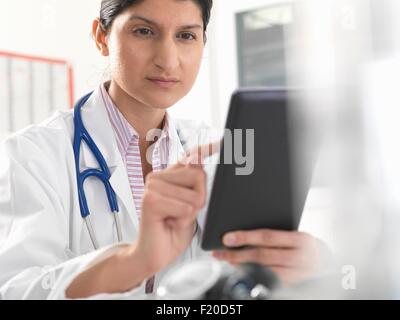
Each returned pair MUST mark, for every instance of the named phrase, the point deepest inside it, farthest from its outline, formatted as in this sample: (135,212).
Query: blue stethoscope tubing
(103,174)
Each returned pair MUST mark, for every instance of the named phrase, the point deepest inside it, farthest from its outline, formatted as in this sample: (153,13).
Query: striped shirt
(128,145)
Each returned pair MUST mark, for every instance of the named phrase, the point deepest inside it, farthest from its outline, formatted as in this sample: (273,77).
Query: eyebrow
(189,26)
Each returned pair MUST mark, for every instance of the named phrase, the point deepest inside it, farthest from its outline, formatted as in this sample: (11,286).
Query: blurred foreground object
(209,279)
(348,61)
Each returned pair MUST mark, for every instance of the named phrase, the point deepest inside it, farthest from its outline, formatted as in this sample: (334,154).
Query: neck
(140,116)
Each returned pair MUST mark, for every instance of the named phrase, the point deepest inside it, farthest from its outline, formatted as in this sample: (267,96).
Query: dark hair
(110,9)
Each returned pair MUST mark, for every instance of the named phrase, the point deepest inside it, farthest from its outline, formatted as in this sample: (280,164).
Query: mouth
(164,82)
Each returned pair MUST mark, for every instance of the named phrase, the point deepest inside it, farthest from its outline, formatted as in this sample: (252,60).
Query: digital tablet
(256,185)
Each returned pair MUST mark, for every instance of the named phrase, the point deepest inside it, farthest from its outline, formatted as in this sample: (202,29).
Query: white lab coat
(44,243)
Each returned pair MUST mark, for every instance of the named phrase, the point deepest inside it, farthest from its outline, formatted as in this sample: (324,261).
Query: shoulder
(42,139)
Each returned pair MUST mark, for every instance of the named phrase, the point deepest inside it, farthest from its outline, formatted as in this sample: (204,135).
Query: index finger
(199,154)
(266,238)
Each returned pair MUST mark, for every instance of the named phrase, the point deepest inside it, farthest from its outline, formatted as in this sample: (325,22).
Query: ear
(100,37)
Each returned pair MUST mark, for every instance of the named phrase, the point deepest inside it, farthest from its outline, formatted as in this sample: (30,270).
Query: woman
(155,48)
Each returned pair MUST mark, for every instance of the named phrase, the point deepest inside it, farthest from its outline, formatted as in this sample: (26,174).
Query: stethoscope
(103,173)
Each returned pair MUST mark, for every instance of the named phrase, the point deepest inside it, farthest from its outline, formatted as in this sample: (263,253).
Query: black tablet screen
(253,183)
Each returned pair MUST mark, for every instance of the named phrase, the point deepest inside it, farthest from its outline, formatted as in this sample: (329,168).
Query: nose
(167,55)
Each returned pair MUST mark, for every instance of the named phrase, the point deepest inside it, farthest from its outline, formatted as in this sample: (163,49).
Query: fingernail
(230,239)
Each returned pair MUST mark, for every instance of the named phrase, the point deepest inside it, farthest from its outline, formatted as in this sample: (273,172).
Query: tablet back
(248,196)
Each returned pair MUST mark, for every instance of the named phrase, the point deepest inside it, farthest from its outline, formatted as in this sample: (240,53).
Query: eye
(144,32)
(187,36)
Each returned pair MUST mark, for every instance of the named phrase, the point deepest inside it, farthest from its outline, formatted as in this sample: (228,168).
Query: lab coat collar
(97,123)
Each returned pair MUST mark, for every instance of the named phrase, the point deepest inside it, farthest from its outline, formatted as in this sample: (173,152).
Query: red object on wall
(49,61)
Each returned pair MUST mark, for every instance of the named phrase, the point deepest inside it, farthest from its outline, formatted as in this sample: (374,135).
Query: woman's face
(155,49)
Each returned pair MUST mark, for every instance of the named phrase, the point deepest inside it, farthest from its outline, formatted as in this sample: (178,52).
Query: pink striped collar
(124,132)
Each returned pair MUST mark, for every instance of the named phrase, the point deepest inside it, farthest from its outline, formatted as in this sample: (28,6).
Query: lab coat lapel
(97,123)
(95,120)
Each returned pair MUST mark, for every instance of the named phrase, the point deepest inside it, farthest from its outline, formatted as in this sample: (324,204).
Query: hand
(293,256)
(170,205)
(171,202)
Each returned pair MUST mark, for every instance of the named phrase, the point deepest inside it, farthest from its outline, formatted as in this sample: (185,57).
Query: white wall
(52,28)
